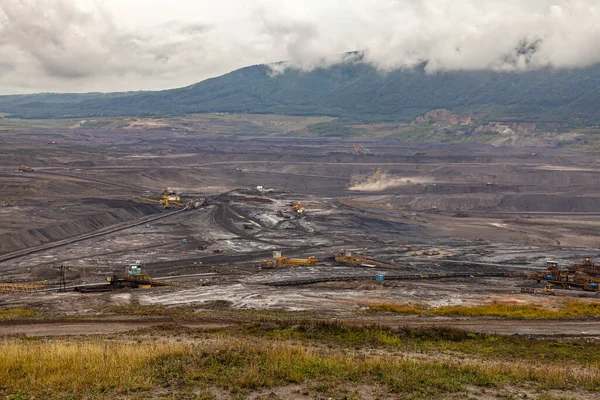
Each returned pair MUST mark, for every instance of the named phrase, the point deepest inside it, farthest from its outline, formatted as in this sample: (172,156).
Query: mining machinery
(279,260)
(165,202)
(298,207)
(171,193)
(22,287)
(249,225)
(357,260)
(548,290)
(339,151)
(133,277)
(25,168)
(169,199)
(134,272)
(580,276)
(411,247)
(586,267)
(360,150)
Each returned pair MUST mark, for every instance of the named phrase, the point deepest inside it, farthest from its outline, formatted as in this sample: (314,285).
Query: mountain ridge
(351,90)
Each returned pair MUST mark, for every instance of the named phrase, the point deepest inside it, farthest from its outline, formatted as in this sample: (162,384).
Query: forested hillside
(350,90)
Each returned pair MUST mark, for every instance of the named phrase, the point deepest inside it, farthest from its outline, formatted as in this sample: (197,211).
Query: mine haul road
(539,328)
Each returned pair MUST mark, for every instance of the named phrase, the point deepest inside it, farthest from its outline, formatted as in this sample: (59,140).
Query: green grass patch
(430,340)
(253,365)
(567,310)
(268,357)
(333,128)
(152,310)
(326,332)
(329,357)
(416,133)
(12,314)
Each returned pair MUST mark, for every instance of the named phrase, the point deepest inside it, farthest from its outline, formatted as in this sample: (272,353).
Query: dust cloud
(361,183)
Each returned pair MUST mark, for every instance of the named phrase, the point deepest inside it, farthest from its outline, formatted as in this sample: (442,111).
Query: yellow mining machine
(249,225)
(430,253)
(170,195)
(134,272)
(169,199)
(282,261)
(25,168)
(356,260)
(298,207)
(491,183)
(548,290)
(165,202)
(360,150)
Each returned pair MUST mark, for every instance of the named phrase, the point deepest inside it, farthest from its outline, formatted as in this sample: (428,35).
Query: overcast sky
(118,45)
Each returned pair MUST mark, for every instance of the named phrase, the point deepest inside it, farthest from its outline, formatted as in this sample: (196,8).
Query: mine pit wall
(542,202)
(32,237)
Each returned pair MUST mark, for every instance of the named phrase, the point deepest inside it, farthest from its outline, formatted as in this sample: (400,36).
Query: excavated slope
(32,237)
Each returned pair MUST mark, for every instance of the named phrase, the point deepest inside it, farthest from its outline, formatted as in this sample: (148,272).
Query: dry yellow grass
(105,368)
(566,310)
(54,367)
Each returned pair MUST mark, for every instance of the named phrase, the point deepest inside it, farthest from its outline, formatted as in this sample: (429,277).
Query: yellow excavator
(360,150)
(279,260)
(169,199)
(298,207)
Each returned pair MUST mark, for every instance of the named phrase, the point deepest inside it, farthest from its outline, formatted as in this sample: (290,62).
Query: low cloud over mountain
(93,45)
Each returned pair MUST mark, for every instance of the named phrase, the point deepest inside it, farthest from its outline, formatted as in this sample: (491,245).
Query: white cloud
(109,45)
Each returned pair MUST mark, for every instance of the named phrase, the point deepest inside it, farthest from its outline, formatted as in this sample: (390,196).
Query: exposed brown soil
(78,204)
(98,326)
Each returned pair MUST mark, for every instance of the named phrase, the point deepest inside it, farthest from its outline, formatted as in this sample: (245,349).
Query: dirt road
(571,328)
(504,326)
(89,327)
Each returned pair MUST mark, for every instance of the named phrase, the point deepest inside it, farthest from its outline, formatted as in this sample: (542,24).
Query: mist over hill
(351,90)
